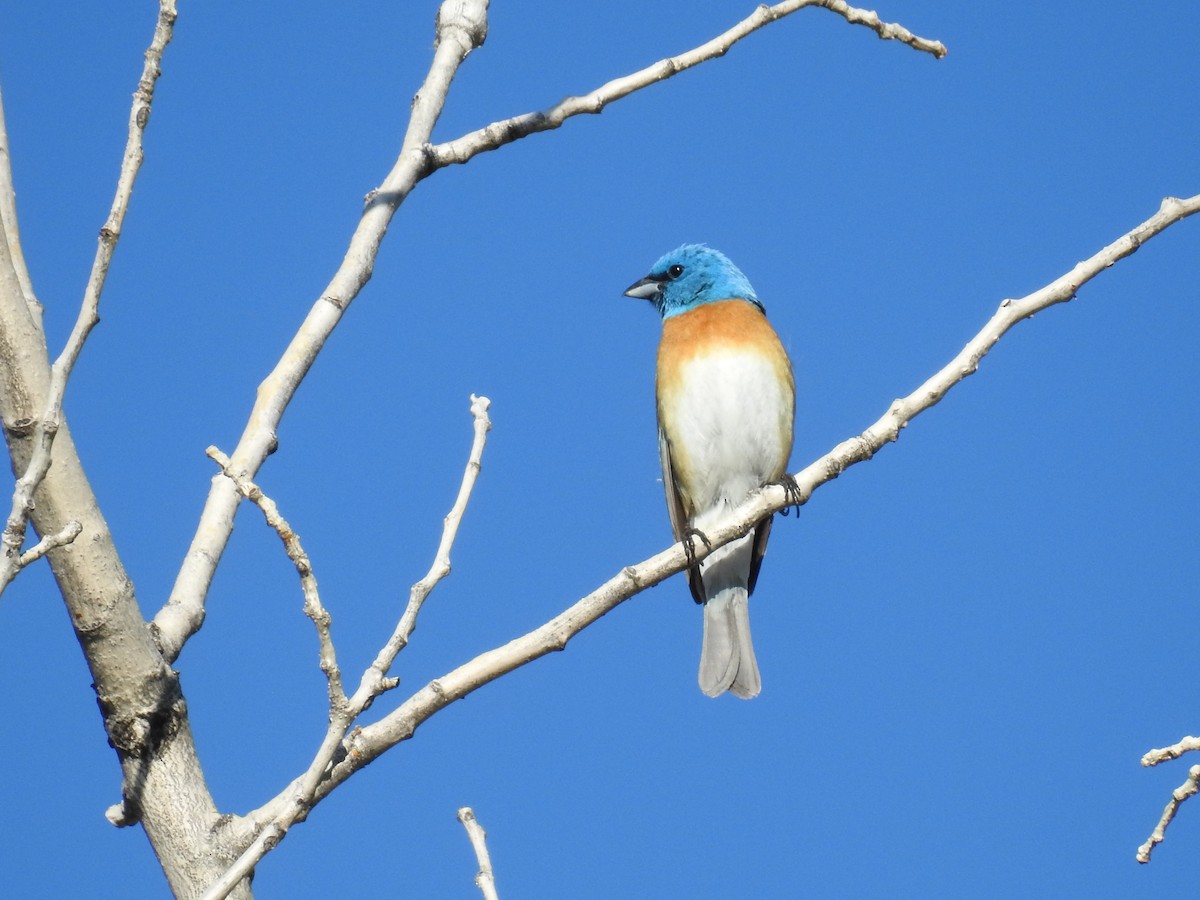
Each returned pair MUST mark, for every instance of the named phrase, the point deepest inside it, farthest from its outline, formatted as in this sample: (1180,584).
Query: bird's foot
(792,490)
(689,545)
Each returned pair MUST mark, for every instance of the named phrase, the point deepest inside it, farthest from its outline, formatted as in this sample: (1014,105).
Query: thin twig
(485,879)
(60,538)
(375,675)
(1187,745)
(313,608)
(887,31)
(8,218)
(497,134)
(1190,787)
(276,817)
(131,164)
(366,744)
(1181,793)
(13,538)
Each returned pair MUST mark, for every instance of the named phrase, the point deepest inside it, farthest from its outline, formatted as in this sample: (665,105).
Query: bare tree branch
(887,31)
(1187,745)
(485,879)
(145,716)
(131,164)
(8,220)
(366,744)
(441,562)
(313,608)
(13,538)
(1187,789)
(1190,787)
(143,707)
(60,538)
(461,27)
(498,134)
(292,805)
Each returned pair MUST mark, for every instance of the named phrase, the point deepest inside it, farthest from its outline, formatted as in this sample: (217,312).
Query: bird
(725,398)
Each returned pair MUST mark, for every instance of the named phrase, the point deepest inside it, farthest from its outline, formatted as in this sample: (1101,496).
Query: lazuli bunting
(726,402)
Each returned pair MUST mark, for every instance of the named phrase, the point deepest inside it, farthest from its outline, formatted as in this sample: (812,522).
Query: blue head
(692,275)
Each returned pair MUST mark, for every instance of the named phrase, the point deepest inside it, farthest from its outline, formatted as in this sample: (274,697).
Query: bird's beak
(644,289)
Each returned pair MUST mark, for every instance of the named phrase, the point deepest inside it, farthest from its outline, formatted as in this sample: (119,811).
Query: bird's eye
(675,271)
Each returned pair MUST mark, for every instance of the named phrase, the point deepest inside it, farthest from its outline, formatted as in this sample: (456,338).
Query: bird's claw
(689,546)
(792,491)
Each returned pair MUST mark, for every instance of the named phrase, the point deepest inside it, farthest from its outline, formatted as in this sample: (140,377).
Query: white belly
(730,427)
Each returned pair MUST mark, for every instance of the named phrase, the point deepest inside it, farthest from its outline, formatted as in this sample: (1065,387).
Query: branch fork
(269,824)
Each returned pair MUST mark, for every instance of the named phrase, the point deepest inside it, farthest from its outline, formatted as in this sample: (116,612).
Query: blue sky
(966,644)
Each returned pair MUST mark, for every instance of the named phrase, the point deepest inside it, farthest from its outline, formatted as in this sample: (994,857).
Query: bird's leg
(792,491)
(689,547)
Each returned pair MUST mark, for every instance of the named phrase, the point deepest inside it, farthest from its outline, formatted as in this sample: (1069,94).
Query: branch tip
(485,878)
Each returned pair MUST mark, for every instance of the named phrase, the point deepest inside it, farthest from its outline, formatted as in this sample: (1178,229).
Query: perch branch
(335,762)
(366,744)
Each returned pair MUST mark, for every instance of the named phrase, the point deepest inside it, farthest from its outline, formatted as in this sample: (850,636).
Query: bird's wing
(679,519)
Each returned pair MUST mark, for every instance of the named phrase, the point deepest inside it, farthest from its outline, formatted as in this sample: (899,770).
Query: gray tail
(727,660)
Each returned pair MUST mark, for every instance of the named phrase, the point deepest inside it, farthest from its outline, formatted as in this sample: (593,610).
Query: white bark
(485,878)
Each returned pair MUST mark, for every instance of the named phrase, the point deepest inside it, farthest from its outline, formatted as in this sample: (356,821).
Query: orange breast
(726,324)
